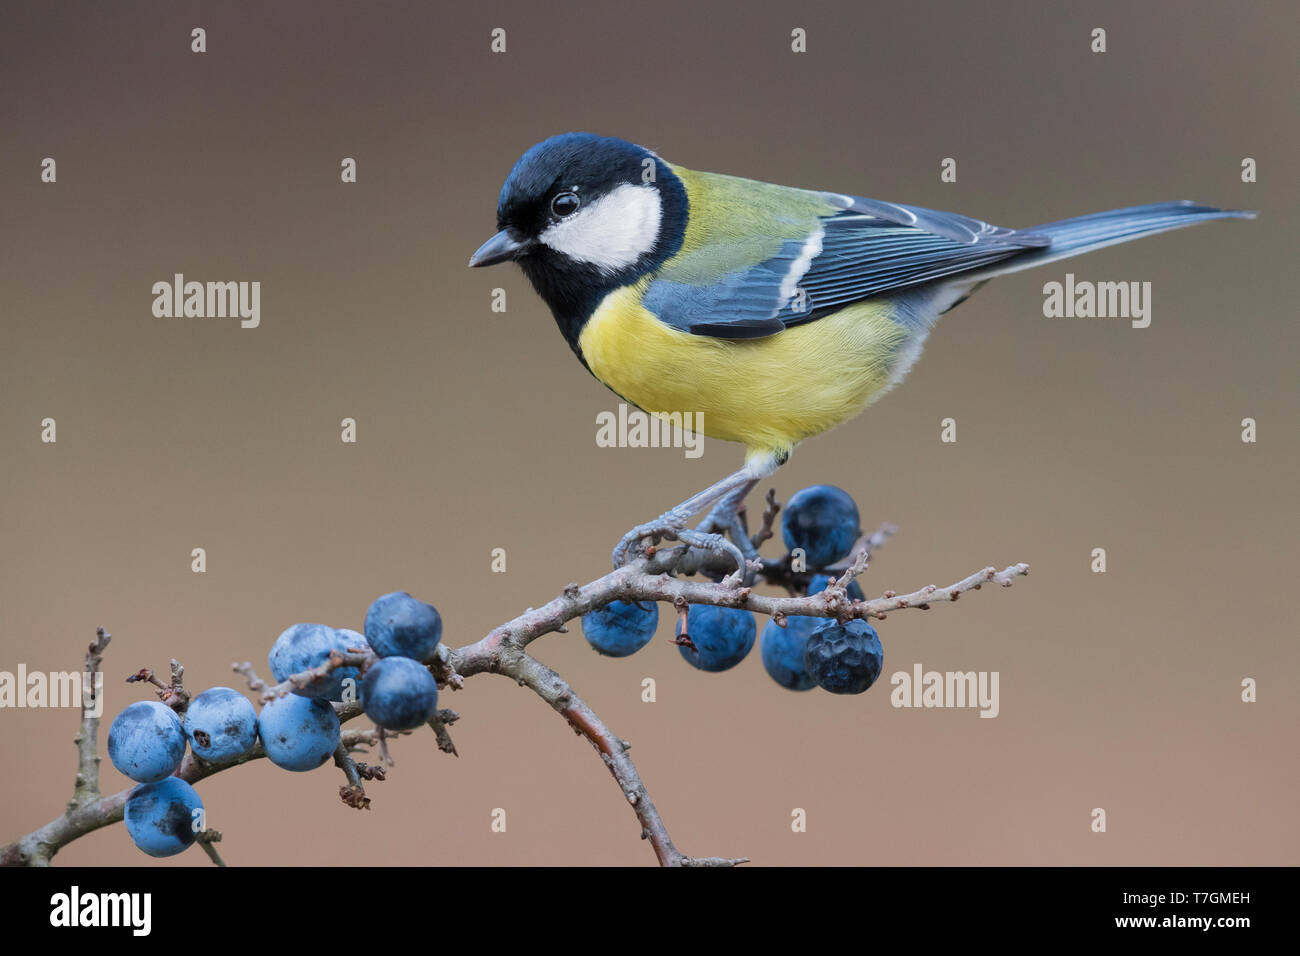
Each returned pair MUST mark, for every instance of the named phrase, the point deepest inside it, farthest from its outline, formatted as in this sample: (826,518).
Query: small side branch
(553,689)
(353,793)
(86,787)
(173,694)
(771,508)
(208,840)
(439,722)
(303,678)
(246,671)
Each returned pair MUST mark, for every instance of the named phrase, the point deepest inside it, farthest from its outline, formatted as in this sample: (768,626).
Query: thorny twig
(770,509)
(245,669)
(439,722)
(86,787)
(353,793)
(174,694)
(206,839)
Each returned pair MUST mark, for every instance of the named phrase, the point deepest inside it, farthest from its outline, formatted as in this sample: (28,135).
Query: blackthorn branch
(659,576)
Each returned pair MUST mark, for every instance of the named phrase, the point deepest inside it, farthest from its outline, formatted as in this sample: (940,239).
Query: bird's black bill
(500,248)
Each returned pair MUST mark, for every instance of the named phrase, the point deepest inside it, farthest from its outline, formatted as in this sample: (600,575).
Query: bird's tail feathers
(1072,237)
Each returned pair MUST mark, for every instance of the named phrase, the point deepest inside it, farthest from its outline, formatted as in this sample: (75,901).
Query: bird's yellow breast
(769,392)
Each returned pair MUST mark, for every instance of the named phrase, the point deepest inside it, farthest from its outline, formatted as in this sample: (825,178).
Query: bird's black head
(584,215)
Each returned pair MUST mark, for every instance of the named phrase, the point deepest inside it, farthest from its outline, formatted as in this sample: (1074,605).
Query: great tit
(776,313)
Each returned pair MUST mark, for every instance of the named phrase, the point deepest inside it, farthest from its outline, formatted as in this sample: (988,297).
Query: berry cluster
(386,669)
(299,731)
(820,525)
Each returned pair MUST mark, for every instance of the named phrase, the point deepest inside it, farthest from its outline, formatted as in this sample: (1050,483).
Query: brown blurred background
(477,429)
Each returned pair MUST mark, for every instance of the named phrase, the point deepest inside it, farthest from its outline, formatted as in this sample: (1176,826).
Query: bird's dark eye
(565,204)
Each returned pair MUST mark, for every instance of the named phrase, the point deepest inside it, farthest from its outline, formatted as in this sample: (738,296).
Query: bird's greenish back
(736,224)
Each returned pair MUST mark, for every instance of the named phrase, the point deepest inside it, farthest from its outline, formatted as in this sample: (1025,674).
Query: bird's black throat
(571,289)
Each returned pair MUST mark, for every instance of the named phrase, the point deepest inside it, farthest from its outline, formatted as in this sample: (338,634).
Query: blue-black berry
(619,629)
(398,693)
(220,723)
(299,733)
(146,741)
(397,625)
(823,521)
(722,636)
(844,658)
(160,816)
(782,649)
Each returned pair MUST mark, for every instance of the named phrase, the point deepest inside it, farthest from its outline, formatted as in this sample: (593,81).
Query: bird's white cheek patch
(613,232)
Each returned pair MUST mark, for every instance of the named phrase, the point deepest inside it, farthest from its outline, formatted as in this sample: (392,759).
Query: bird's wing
(768,258)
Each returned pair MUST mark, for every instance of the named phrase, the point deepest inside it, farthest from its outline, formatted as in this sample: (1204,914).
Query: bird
(773,313)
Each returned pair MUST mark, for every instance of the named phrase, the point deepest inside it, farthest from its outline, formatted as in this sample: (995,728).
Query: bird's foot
(726,518)
(668,525)
(671,525)
(727,494)
(715,543)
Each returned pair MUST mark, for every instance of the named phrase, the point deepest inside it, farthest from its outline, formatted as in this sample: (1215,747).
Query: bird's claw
(672,526)
(725,520)
(716,543)
(668,525)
